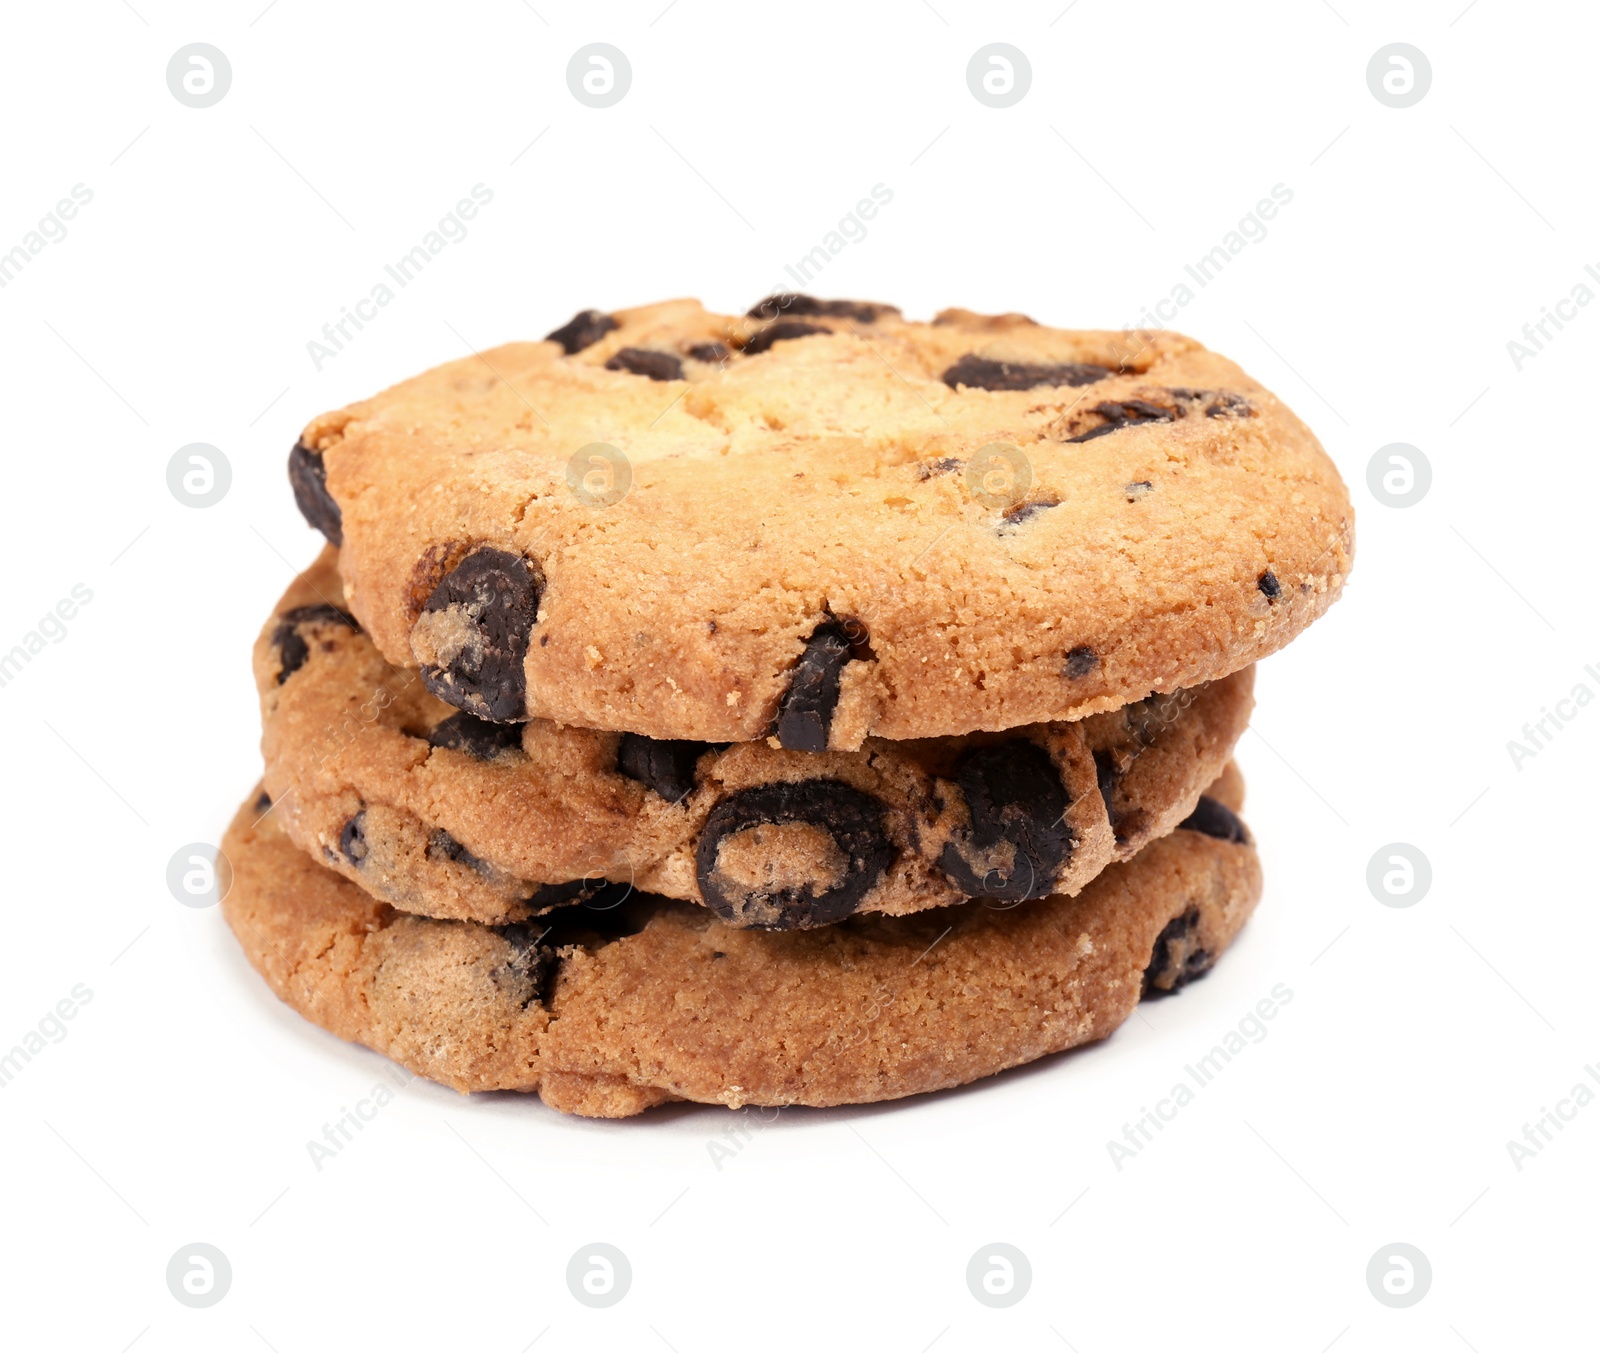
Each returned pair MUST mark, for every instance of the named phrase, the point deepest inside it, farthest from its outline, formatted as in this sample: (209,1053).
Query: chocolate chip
(1126,414)
(852,819)
(476,737)
(1126,824)
(805,713)
(472,635)
(1175,958)
(1218,403)
(658,366)
(263,801)
(1017,841)
(944,465)
(290,643)
(792,303)
(352,840)
(1027,511)
(780,332)
(308,477)
(1080,662)
(1106,774)
(665,765)
(529,965)
(1269,585)
(443,846)
(1226,404)
(1213,818)
(708,352)
(584,328)
(980,373)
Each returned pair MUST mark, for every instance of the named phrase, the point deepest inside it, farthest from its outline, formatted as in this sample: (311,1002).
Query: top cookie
(821,521)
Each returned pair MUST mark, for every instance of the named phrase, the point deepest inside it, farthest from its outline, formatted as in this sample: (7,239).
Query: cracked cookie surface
(607,1014)
(823,522)
(439,812)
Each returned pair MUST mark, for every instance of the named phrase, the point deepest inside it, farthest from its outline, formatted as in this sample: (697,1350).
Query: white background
(1418,1041)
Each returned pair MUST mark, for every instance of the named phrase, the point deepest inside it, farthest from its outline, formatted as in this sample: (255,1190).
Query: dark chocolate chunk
(658,366)
(529,965)
(780,332)
(1027,511)
(1080,662)
(793,303)
(855,822)
(263,801)
(352,839)
(476,737)
(1229,405)
(708,352)
(1106,774)
(291,644)
(1269,585)
(1217,403)
(1017,841)
(805,713)
(308,477)
(584,328)
(443,846)
(1126,823)
(665,765)
(471,656)
(1175,958)
(1213,818)
(1126,414)
(944,465)
(980,373)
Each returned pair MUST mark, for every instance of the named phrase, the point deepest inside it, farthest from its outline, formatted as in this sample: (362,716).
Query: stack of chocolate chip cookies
(807,707)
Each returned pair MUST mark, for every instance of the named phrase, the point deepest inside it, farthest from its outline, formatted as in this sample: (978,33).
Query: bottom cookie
(606,1013)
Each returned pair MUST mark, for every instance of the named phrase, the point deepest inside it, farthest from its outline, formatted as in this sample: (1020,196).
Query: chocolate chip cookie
(606,1013)
(442,813)
(821,522)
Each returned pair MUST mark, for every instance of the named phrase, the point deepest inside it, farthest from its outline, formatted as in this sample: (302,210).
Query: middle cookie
(442,814)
